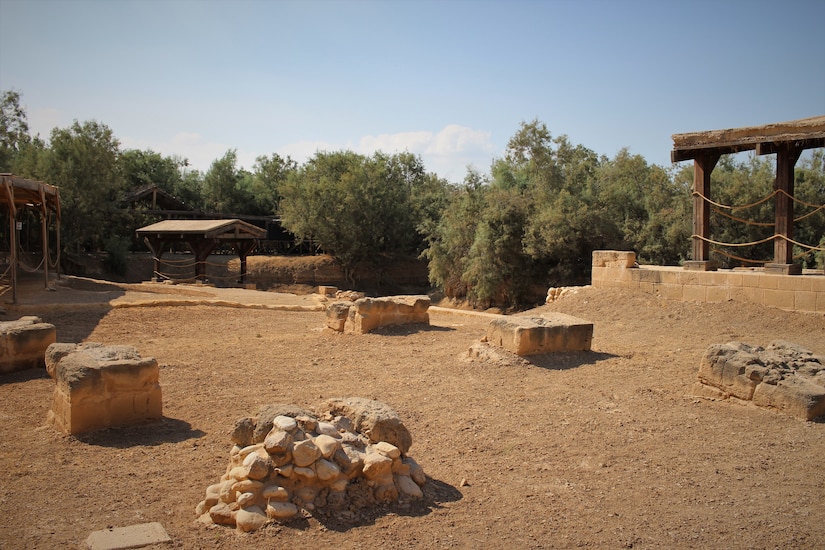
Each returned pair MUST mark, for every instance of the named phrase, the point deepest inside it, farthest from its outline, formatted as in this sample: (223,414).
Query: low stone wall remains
(551,332)
(101,386)
(23,343)
(782,376)
(366,314)
(618,269)
(290,463)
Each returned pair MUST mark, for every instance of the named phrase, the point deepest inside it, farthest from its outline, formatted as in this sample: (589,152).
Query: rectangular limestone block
(613,258)
(23,343)
(534,335)
(328,291)
(102,386)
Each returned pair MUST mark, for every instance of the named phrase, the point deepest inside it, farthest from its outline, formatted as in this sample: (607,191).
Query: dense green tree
(147,167)
(268,174)
(357,208)
(14,129)
(451,236)
(83,162)
(227,188)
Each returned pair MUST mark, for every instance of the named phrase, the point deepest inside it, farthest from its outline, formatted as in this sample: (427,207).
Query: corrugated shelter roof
(806,133)
(209,229)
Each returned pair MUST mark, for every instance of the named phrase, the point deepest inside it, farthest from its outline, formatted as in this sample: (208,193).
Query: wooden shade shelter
(202,237)
(18,194)
(785,139)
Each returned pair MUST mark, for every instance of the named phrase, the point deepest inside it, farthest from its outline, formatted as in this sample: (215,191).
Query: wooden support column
(44,229)
(703,166)
(244,248)
(786,156)
(201,249)
(156,247)
(9,189)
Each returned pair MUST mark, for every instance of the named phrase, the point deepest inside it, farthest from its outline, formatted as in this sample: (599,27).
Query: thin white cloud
(448,152)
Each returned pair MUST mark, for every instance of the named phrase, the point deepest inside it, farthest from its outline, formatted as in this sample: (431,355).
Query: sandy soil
(606,449)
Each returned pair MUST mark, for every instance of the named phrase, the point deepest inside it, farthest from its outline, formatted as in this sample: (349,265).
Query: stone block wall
(367,314)
(23,343)
(614,269)
(101,386)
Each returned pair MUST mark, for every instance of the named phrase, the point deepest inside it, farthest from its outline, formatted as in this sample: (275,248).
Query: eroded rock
(782,376)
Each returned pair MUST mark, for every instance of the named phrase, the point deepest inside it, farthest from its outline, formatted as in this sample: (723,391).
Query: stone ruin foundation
(550,332)
(101,386)
(782,376)
(23,343)
(366,314)
(290,463)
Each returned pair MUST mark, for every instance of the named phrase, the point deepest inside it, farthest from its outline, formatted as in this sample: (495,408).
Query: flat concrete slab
(134,536)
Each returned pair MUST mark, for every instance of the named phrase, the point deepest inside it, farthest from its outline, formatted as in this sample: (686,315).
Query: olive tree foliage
(360,209)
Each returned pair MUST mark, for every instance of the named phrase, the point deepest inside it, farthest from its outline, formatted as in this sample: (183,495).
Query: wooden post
(244,248)
(703,166)
(44,226)
(786,156)
(201,249)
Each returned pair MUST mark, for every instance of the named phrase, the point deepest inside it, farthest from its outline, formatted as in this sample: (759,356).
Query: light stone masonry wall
(614,269)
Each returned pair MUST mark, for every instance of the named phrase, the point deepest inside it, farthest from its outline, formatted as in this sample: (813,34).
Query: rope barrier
(809,214)
(173,262)
(735,257)
(729,207)
(742,220)
(754,243)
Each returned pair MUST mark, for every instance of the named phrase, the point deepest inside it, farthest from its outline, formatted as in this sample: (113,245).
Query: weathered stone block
(337,313)
(613,258)
(328,291)
(367,314)
(782,376)
(102,386)
(533,335)
(23,343)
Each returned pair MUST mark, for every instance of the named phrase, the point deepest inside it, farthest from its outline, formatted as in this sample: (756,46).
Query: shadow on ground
(436,494)
(568,360)
(405,330)
(167,430)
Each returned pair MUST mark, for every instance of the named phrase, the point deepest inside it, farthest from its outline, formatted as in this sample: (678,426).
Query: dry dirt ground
(606,449)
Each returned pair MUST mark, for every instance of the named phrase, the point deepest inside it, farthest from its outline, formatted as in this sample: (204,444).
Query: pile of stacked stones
(288,463)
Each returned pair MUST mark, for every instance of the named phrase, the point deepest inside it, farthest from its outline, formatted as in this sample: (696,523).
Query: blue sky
(450,80)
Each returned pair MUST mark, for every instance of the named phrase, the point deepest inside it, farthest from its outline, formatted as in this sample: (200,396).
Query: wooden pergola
(18,194)
(202,237)
(785,139)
